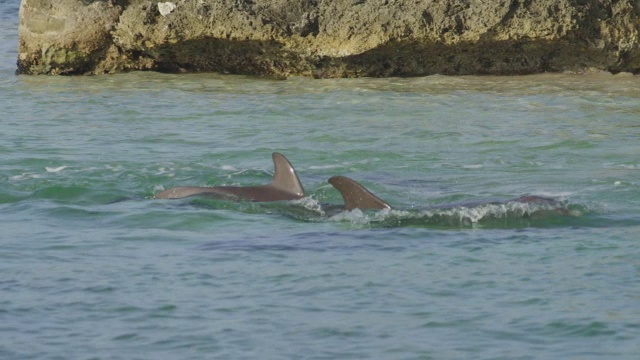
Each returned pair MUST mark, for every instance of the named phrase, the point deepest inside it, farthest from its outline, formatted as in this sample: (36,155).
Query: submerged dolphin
(356,196)
(285,185)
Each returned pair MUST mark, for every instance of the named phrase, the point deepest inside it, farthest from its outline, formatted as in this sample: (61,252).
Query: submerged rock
(337,38)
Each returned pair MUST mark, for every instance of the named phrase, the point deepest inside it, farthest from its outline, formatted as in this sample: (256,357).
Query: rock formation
(329,38)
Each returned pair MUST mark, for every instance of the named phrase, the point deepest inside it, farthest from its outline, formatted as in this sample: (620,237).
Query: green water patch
(11,197)
(179,218)
(567,144)
(74,212)
(62,193)
(565,328)
(75,194)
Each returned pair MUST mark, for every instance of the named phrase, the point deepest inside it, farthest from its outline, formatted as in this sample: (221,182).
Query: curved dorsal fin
(355,195)
(284,176)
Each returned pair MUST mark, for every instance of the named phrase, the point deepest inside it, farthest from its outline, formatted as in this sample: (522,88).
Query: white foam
(55,169)
(461,215)
(25,176)
(355,216)
(229,168)
(165,172)
(623,166)
(158,188)
(114,168)
(309,203)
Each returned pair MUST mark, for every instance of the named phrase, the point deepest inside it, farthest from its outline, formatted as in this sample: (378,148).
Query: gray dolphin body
(284,185)
(356,196)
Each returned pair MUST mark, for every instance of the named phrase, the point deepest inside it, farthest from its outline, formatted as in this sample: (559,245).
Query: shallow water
(94,268)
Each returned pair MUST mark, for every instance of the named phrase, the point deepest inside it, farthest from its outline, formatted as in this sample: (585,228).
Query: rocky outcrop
(329,38)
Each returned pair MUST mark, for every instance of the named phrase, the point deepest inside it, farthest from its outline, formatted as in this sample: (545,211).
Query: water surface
(94,268)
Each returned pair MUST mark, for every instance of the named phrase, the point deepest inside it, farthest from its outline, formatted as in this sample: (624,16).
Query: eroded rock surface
(329,38)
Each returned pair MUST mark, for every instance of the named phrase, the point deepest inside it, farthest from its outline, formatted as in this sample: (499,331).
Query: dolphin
(285,185)
(356,196)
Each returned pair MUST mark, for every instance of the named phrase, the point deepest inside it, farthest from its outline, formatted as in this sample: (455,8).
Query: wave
(510,214)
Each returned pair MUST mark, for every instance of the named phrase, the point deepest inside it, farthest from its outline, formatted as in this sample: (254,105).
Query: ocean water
(92,267)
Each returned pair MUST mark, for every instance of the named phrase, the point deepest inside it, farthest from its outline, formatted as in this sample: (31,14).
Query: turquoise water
(93,268)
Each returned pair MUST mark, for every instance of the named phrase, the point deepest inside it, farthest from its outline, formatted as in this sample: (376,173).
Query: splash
(310,204)
(510,214)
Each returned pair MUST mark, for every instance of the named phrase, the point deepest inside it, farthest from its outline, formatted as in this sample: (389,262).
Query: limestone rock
(329,38)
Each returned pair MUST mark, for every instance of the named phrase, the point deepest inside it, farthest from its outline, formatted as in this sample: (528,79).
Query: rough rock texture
(329,38)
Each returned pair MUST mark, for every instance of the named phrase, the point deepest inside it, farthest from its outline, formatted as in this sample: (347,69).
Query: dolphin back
(285,185)
(185,191)
(355,195)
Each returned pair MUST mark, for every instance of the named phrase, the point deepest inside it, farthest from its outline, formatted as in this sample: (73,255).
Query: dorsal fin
(285,177)
(355,195)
